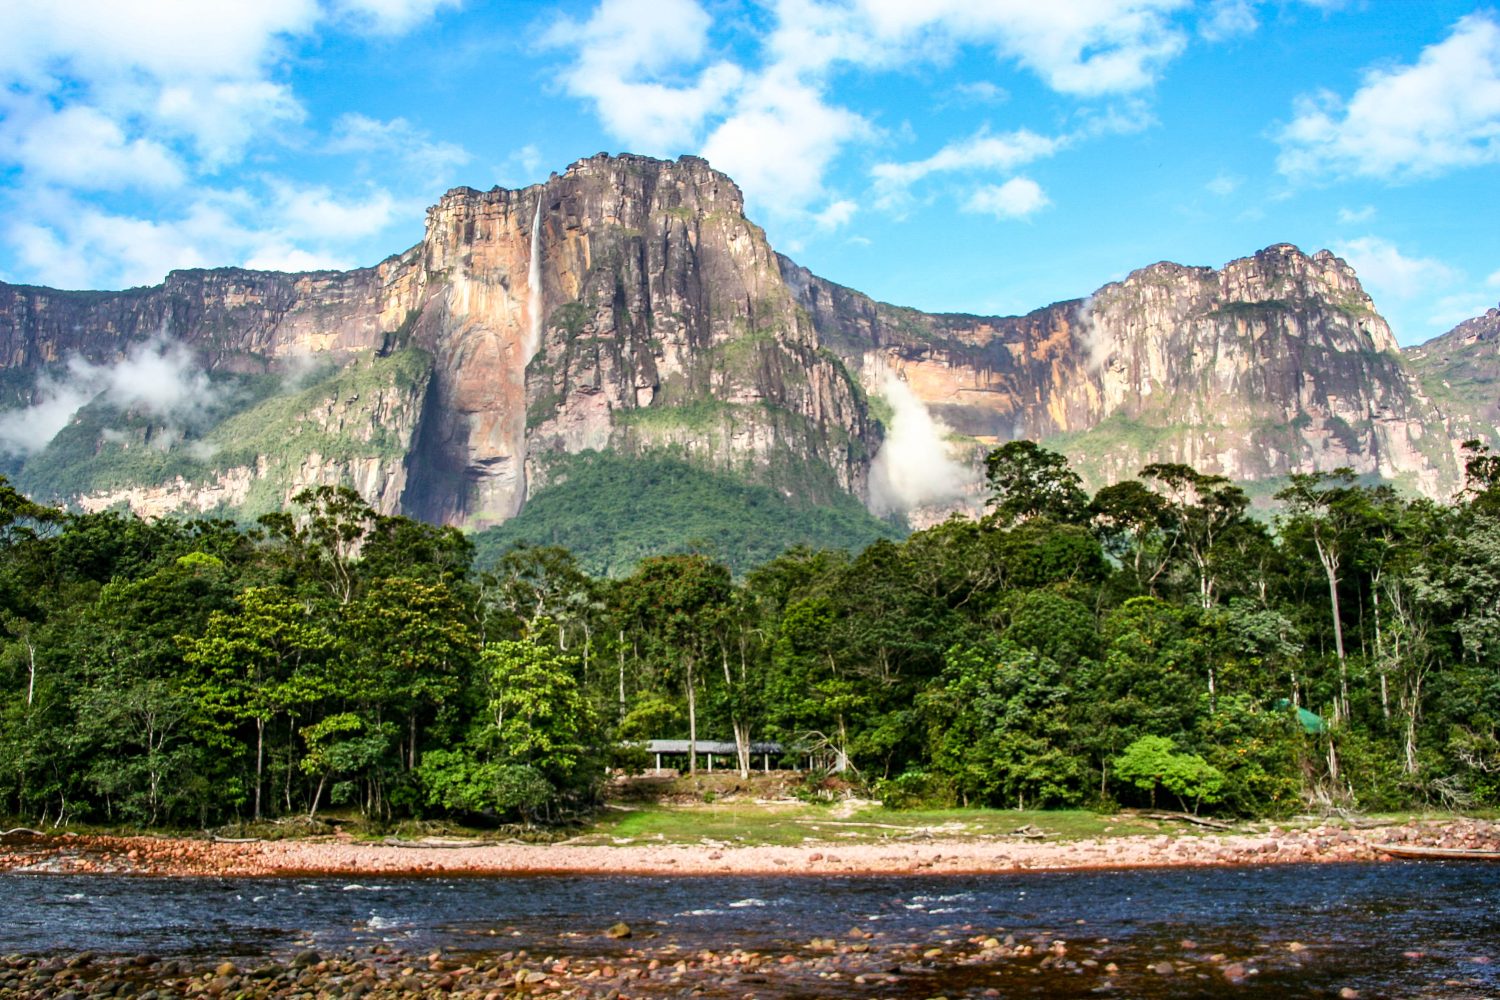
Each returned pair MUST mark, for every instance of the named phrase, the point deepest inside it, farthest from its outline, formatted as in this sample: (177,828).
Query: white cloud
(323,215)
(1228,18)
(1083,47)
(1350,216)
(106,41)
(981,151)
(1388,273)
(914,465)
(835,215)
(160,99)
(1223,185)
(71,244)
(82,148)
(981,92)
(1451,310)
(1439,114)
(357,133)
(630,59)
(221,119)
(389,17)
(781,139)
(1493,281)
(1017,198)
(648,68)
(157,378)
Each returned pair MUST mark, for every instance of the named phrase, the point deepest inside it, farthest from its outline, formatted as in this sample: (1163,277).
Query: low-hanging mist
(914,466)
(157,377)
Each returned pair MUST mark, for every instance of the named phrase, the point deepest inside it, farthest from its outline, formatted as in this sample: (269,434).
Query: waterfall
(534,285)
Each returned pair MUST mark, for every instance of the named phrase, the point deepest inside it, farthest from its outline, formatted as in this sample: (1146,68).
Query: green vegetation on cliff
(363,410)
(611,511)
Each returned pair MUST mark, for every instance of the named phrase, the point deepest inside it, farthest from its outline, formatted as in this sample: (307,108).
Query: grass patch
(750,824)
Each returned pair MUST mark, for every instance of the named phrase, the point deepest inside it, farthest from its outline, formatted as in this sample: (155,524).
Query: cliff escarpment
(628,306)
(1274,364)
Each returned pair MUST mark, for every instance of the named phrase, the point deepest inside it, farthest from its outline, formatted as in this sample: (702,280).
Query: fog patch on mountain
(156,378)
(915,465)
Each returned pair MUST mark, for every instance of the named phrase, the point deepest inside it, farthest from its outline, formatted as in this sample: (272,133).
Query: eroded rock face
(654,315)
(1461,370)
(1277,363)
(628,304)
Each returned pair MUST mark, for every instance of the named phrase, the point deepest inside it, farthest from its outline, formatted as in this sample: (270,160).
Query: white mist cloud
(1439,114)
(914,466)
(157,378)
(1094,340)
(1017,198)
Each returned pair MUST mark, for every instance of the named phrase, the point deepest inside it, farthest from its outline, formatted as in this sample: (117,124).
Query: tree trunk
(622,673)
(692,721)
(1414,701)
(260,757)
(317,796)
(1330,560)
(742,747)
(291,754)
(411,758)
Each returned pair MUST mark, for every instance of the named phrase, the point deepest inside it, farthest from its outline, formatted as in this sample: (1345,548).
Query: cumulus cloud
(1421,120)
(980,151)
(837,214)
(1228,18)
(70,243)
(1493,281)
(630,59)
(156,102)
(389,17)
(1350,216)
(914,466)
(1223,185)
(397,137)
(1386,272)
(156,378)
(81,147)
(650,72)
(1017,198)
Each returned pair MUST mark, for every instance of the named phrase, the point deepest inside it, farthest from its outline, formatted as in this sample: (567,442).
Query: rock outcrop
(1276,363)
(628,304)
(1461,370)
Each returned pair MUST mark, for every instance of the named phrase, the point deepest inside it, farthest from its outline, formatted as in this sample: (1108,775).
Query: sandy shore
(185,856)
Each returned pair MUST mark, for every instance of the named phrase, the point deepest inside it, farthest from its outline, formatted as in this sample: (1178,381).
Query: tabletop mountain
(627,307)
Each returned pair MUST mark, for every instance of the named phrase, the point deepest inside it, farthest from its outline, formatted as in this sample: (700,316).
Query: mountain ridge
(628,305)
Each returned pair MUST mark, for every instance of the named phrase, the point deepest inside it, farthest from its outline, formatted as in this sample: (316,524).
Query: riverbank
(1260,932)
(1025,851)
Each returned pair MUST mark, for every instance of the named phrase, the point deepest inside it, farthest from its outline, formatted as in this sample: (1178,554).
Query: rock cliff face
(628,304)
(1277,363)
(1461,369)
(625,304)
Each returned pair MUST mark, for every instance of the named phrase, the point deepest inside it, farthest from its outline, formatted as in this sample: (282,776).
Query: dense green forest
(656,504)
(1151,643)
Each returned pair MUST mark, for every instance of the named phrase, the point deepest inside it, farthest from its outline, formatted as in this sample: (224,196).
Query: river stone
(304,959)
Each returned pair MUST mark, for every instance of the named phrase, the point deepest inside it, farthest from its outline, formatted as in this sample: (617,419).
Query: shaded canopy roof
(706,746)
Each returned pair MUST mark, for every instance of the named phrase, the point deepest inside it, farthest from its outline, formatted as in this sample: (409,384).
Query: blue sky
(957,155)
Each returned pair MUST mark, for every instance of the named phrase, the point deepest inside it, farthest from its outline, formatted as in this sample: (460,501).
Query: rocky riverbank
(608,964)
(147,855)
